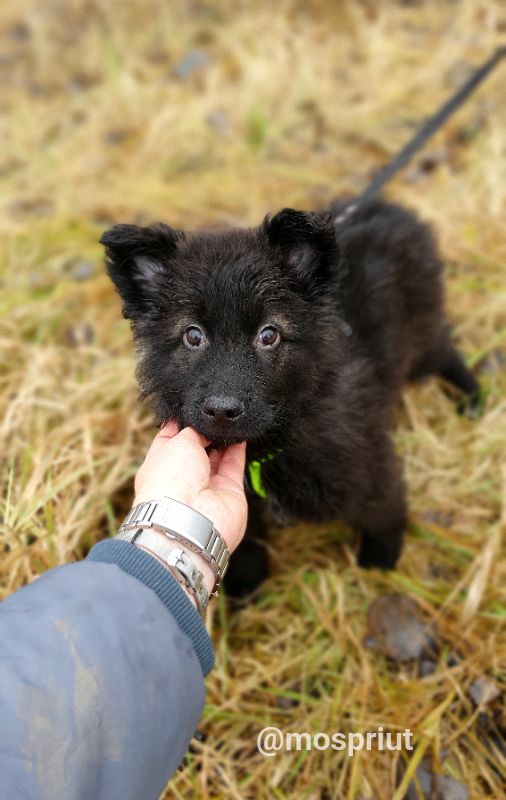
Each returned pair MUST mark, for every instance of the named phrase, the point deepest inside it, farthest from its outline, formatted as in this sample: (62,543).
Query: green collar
(254,469)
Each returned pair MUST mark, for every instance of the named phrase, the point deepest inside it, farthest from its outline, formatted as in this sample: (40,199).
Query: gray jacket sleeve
(101,679)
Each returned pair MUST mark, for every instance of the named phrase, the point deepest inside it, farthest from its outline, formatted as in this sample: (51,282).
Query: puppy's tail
(427,130)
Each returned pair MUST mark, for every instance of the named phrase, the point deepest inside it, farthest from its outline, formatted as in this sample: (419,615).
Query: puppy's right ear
(138,263)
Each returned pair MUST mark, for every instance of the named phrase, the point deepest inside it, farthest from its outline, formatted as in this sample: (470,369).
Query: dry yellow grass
(296,102)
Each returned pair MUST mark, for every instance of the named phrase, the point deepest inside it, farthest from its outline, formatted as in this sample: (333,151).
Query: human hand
(178,466)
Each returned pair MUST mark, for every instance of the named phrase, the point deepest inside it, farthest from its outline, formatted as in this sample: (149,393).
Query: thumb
(232,463)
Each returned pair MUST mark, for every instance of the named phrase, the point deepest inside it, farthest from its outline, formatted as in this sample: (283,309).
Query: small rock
(289,702)
(483,691)
(493,362)
(447,788)
(491,729)
(37,281)
(430,786)
(20,32)
(426,667)
(437,517)
(192,61)
(439,571)
(286,702)
(394,627)
(82,270)
(80,334)
(117,136)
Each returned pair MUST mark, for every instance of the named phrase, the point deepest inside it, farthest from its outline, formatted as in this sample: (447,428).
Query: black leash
(426,131)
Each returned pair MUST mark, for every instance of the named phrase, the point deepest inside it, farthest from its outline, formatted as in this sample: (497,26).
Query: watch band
(187,526)
(181,566)
(180,562)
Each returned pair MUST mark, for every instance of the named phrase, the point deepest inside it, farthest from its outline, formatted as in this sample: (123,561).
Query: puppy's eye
(194,338)
(268,338)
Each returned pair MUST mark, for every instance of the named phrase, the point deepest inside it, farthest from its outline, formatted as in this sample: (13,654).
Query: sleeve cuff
(146,569)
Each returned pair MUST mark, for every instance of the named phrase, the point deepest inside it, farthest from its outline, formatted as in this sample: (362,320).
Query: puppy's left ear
(307,241)
(138,263)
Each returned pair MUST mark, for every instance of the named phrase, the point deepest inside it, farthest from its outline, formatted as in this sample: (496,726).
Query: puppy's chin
(221,440)
(217,435)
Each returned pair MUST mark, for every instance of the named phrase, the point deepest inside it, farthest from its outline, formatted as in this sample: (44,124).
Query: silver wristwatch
(182,523)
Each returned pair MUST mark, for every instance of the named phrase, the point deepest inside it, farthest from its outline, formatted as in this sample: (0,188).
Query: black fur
(360,309)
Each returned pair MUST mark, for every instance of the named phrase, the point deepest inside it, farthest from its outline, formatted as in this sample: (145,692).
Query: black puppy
(298,337)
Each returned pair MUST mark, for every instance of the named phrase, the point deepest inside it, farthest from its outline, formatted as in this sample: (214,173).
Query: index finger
(167,432)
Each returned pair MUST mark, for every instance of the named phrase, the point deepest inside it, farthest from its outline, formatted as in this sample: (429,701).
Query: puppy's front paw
(378,553)
(248,568)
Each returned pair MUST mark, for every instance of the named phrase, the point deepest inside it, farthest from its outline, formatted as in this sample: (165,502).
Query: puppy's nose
(223,408)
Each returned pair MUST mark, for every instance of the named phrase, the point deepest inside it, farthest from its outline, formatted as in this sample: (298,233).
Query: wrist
(184,541)
(200,563)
